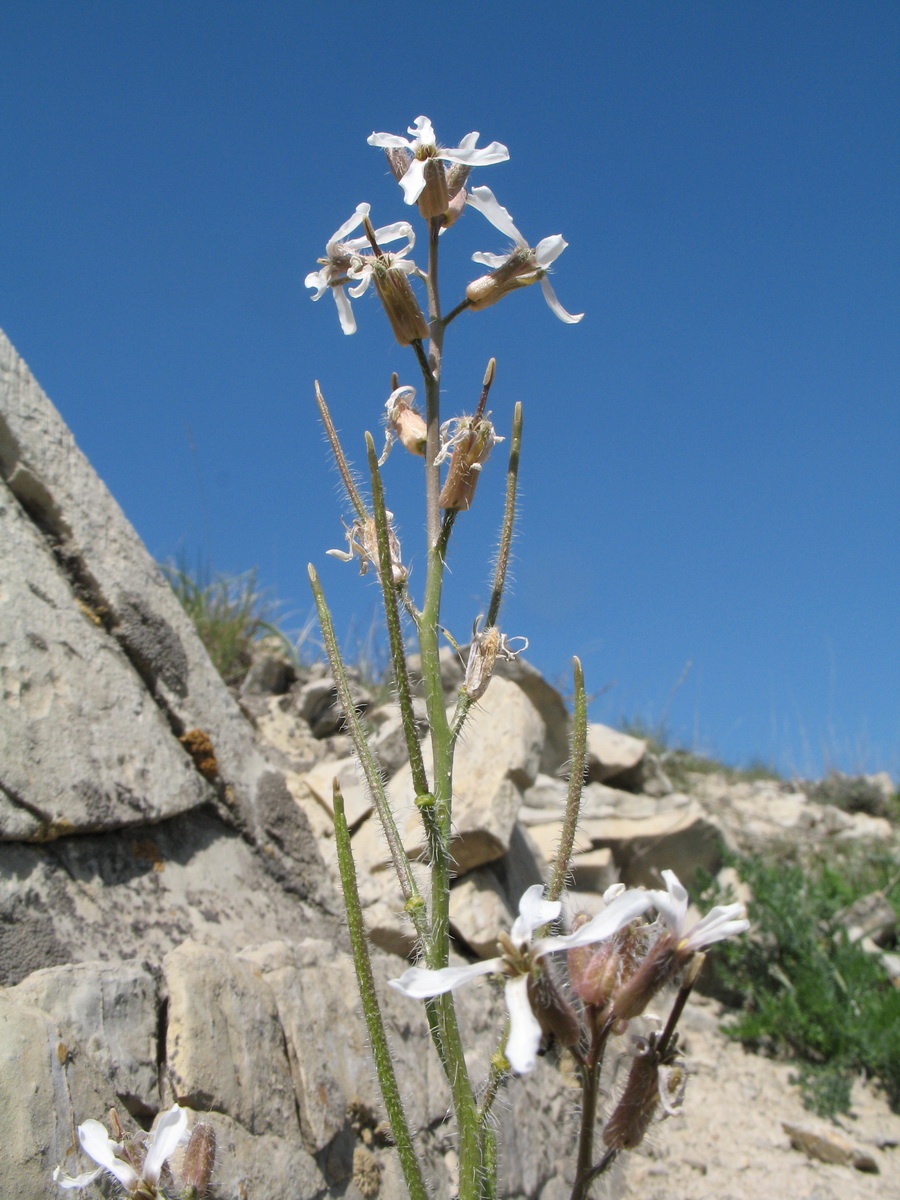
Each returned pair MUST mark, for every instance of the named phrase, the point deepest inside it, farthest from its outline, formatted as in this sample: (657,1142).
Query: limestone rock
(498,755)
(224,1043)
(611,754)
(478,911)
(828,1146)
(680,840)
(267,1165)
(109,1012)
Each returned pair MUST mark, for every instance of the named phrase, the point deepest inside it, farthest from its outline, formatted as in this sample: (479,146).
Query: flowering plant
(617,961)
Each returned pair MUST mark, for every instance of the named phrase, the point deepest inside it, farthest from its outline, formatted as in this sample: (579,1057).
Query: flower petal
(534,911)
(524,1030)
(484,200)
(723,921)
(362,210)
(170,1129)
(345,310)
(97,1143)
(422,131)
(75,1181)
(483,256)
(672,904)
(549,249)
(388,141)
(624,909)
(413,181)
(469,155)
(555,306)
(317,280)
(421,984)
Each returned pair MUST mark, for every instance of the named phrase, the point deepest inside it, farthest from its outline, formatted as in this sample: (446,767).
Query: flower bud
(631,1117)
(555,1015)
(199,1161)
(594,971)
(399,301)
(648,978)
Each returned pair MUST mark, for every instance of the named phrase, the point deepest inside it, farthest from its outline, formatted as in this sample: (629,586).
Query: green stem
(412,1171)
(509,517)
(415,903)
(576,783)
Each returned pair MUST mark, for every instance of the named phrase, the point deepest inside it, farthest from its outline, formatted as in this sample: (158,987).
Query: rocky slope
(170,927)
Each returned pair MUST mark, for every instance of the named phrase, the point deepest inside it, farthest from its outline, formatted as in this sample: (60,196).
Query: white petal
(723,921)
(470,141)
(421,130)
(365,278)
(549,249)
(393,233)
(413,182)
(362,210)
(534,911)
(524,1030)
(624,909)
(75,1181)
(484,200)
(672,905)
(345,311)
(490,260)
(97,1143)
(318,280)
(555,306)
(389,141)
(421,984)
(170,1129)
(470,156)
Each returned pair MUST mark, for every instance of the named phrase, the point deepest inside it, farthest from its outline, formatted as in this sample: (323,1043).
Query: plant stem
(412,1171)
(576,783)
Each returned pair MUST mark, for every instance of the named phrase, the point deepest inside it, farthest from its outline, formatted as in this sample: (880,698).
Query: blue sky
(710,461)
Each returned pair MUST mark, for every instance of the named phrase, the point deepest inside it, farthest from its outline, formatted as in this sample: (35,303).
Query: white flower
(424,147)
(98,1145)
(720,922)
(522,265)
(344,263)
(520,955)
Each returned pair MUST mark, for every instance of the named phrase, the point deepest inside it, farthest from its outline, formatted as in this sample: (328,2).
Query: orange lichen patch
(148,851)
(199,746)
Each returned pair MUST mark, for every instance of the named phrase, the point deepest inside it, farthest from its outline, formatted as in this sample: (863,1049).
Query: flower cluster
(616,964)
(434,178)
(140,1166)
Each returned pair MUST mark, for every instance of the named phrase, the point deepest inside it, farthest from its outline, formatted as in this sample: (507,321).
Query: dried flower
(170,1130)
(467,442)
(487,646)
(520,960)
(344,263)
(417,164)
(403,423)
(518,268)
(362,538)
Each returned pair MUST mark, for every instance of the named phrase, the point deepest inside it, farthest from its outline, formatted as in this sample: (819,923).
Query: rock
(871,916)
(610,754)
(109,1012)
(680,840)
(498,754)
(479,909)
(357,801)
(828,1146)
(265,1165)
(44,1084)
(594,871)
(224,1043)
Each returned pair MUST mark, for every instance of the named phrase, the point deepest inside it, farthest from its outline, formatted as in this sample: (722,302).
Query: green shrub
(854,793)
(810,994)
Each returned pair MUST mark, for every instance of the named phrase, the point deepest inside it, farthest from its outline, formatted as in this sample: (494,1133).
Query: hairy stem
(412,1171)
